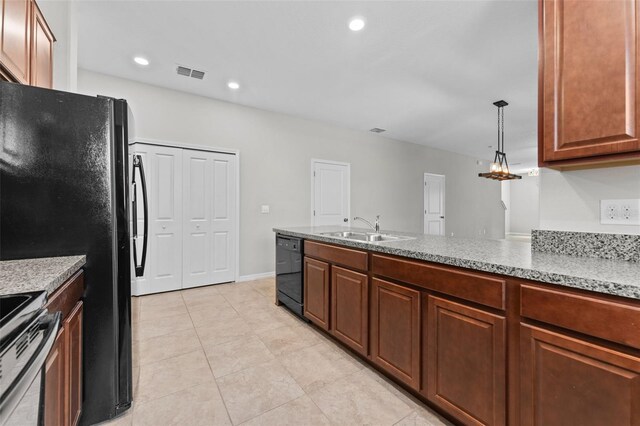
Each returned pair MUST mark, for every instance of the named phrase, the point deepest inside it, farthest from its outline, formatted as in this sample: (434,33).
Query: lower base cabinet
(55,382)
(316,292)
(566,381)
(466,359)
(395,330)
(350,308)
(63,367)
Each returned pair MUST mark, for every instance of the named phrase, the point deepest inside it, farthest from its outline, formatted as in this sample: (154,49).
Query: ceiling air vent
(197,74)
(377,130)
(184,71)
(188,72)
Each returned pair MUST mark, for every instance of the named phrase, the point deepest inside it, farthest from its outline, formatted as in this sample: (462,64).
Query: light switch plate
(620,212)
(264,209)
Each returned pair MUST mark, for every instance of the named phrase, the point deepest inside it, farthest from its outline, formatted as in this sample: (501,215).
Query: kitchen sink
(366,236)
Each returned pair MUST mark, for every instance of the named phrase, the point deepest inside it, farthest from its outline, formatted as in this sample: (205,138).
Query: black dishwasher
(289,286)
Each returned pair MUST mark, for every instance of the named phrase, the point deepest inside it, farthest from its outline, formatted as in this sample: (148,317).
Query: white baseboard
(252,277)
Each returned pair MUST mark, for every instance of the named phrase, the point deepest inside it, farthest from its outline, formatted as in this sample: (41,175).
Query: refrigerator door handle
(137,164)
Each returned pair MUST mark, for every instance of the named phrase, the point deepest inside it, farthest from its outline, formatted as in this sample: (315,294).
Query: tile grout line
(224,404)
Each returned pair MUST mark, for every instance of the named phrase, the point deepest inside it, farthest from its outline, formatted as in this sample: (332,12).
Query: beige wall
(570,200)
(276,152)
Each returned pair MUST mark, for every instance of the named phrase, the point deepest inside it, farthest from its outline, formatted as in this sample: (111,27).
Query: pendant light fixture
(500,168)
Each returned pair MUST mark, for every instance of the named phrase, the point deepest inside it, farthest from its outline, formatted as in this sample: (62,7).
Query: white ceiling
(426,71)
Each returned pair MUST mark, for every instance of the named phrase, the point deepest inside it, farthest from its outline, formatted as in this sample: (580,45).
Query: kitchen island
(485,331)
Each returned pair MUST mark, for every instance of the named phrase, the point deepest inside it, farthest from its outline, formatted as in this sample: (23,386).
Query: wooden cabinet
(26,44)
(589,106)
(316,292)
(55,382)
(567,381)
(15,40)
(41,51)
(466,362)
(73,327)
(395,330)
(462,341)
(63,368)
(350,308)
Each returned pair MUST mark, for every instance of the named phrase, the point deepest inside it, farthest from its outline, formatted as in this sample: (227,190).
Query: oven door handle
(50,324)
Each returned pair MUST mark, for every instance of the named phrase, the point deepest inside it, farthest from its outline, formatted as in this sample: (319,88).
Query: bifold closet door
(209,191)
(196,269)
(163,171)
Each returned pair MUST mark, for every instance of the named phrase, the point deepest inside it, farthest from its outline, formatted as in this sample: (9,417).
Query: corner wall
(275,161)
(570,200)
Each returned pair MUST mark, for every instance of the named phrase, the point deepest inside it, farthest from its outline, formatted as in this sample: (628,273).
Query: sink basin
(366,236)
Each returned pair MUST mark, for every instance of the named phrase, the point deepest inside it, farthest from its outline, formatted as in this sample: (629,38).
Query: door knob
(441,217)
(345,220)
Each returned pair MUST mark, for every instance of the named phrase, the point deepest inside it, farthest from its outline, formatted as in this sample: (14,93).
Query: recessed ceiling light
(356,24)
(141,61)
(234,85)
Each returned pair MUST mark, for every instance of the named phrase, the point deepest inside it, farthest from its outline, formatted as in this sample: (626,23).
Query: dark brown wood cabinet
(350,308)
(568,381)
(41,51)
(481,348)
(316,292)
(395,330)
(26,44)
(588,88)
(55,382)
(73,327)
(466,362)
(63,368)
(15,40)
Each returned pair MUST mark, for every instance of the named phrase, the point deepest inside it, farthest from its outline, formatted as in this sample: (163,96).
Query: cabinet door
(566,381)
(350,308)
(395,330)
(589,73)
(41,51)
(55,382)
(73,327)
(316,292)
(466,362)
(15,38)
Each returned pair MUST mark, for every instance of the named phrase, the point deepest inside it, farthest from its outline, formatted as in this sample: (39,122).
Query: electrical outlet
(620,212)
(264,209)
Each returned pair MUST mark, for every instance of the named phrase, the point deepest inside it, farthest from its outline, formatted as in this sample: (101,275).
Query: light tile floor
(226,354)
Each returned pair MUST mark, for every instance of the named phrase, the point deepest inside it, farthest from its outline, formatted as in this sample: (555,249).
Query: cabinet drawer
(617,322)
(65,298)
(339,255)
(477,288)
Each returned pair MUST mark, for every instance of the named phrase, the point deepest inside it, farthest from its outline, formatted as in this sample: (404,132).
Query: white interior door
(331,193)
(223,217)
(163,170)
(434,191)
(196,193)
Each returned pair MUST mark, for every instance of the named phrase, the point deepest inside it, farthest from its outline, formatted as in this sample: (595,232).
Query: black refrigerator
(64,190)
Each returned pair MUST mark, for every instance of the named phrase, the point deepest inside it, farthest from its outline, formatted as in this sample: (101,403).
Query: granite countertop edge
(566,280)
(38,274)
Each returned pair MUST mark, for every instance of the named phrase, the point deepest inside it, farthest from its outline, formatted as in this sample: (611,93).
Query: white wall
(276,152)
(570,200)
(523,205)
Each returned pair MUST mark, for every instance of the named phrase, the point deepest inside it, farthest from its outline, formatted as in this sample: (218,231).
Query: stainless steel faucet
(375,227)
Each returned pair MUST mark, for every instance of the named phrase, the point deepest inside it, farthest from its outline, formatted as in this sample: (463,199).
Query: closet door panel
(223,205)
(163,170)
(196,252)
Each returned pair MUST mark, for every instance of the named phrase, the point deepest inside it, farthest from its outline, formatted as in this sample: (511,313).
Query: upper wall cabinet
(589,107)
(26,44)
(41,51)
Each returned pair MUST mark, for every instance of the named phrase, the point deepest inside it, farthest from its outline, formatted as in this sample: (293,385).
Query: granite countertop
(511,258)
(46,273)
